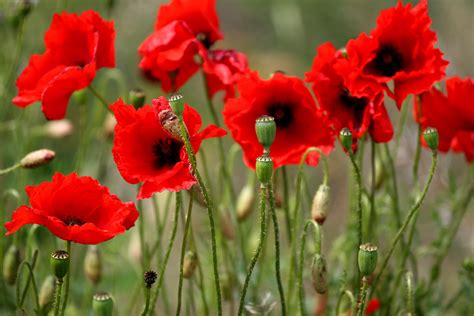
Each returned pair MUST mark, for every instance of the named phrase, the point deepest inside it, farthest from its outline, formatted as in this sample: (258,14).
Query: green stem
(358,177)
(341,296)
(253,262)
(417,155)
(141,233)
(187,224)
(372,214)
(57,296)
(210,209)
(401,122)
(409,294)
(408,218)
(362,297)
(161,275)
(68,278)
(147,301)
(10,169)
(277,247)
(102,100)
(202,290)
(31,276)
(317,238)
(286,203)
(30,267)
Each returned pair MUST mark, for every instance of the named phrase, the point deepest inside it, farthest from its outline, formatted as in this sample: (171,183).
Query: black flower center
(73,220)
(387,62)
(356,105)
(282,113)
(166,152)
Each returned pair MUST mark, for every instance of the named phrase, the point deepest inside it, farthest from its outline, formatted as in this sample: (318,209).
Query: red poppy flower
(145,151)
(401,48)
(223,68)
(76,46)
(300,124)
(344,110)
(372,306)
(451,114)
(168,55)
(76,209)
(200,16)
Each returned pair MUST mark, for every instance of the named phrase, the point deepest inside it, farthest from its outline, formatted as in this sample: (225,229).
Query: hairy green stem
(339,300)
(10,169)
(286,202)
(362,297)
(373,213)
(31,267)
(57,296)
(31,277)
(68,278)
(147,301)
(276,230)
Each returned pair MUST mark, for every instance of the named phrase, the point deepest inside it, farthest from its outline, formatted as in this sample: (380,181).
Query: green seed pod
(11,262)
(190,263)
(93,264)
(320,206)
(264,168)
(149,278)
(367,259)
(431,138)
(137,98)
(319,274)
(60,263)
(345,136)
(46,294)
(103,304)
(265,128)
(245,202)
(177,104)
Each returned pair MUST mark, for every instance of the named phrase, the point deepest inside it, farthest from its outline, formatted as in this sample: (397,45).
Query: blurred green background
(275,35)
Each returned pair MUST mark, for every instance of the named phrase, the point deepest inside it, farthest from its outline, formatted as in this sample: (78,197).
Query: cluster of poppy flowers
(350,85)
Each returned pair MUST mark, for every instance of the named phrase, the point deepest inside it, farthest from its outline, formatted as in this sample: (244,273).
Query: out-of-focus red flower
(76,209)
(168,55)
(145,151)
(401,48)
(451,114)
(372,306)
(359,114)
(76,46)
(223,68)
(200,16)
(300,124)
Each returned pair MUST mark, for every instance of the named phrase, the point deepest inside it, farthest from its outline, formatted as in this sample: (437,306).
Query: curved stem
(161,276)
(31,267)
(102,100)
(10,169)
(187,224)
(68,279)
(276,230)
(210,209)
(317,238)
(339,300)
(147,301)
(408,218)
(35,289)
(253,262)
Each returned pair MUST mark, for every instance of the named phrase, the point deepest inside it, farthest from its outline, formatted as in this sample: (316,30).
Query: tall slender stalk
(68,279)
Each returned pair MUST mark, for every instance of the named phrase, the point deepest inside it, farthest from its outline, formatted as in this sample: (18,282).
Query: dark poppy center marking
(73,220)
(356,105)
(167,152)
(204,38)
(387,62)
(282,113)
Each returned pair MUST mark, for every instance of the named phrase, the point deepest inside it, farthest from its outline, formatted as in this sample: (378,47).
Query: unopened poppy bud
(37,158)
(80,96)
(46,294)
(319,274)
(150,278)
(227,286)
(265,128)
(320,207)
(345,136)
(245,202)
(468,265)
(93,264)
(11,262)
(431,137)
(264,168)
(190,263)
(367,259)
(103,304)
(227,227)
(176,102)
(60,263)
(109,125)
(137,98)
(59,129)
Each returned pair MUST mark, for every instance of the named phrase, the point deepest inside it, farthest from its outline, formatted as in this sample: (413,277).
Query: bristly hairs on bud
(176,102)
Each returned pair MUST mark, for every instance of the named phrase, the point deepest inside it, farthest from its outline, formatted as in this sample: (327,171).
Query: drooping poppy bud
(319,274)
(37,158)
(265,128)
(320,206)
(176,102)
(431,138)
(245,202)
(264,168)
(190,263)
(93,264)
(228,229)
(60,263)
(103,304)
(367,259)
(11,262)
(137,98)
(46,294)
(59,129)
(345,137)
